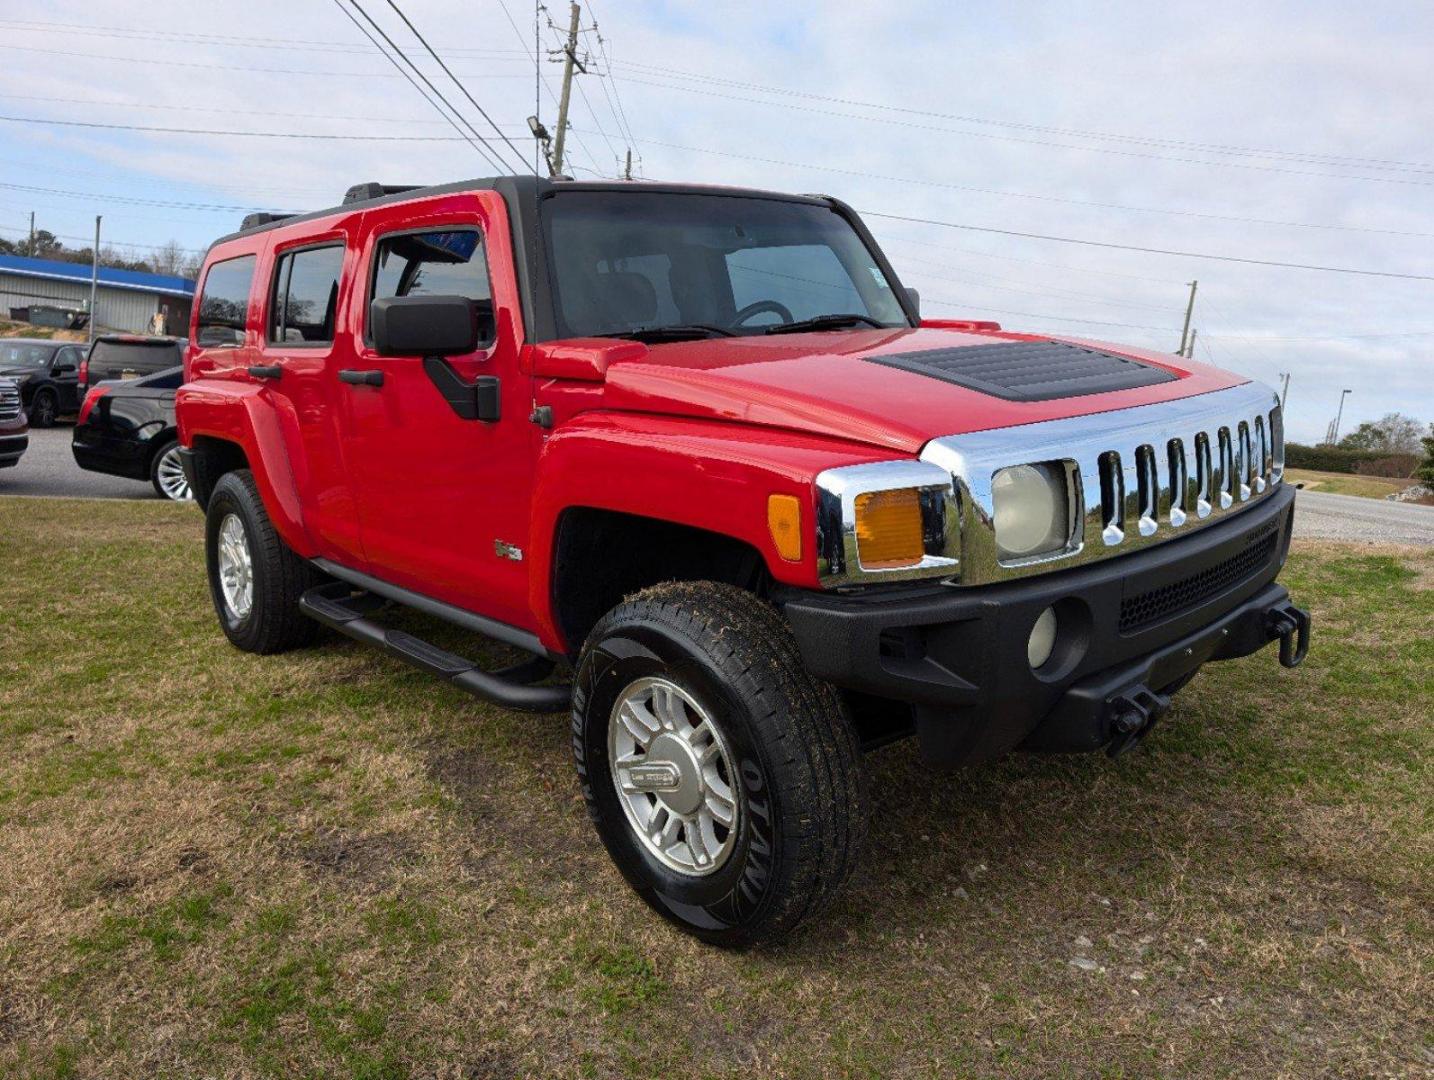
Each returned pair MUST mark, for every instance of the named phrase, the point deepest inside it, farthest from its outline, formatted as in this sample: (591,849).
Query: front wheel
(724,780)
(255,579)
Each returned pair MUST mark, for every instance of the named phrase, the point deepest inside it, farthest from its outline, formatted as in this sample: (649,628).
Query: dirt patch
(355,858)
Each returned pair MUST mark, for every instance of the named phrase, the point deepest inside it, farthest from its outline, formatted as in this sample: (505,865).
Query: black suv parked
(47,373)
(129,356)
(126,428)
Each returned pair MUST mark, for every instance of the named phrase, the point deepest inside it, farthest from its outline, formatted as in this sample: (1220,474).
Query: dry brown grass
(327,864)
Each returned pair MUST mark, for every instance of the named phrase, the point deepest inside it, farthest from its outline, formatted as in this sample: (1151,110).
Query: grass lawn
(1367,487)
(328,864)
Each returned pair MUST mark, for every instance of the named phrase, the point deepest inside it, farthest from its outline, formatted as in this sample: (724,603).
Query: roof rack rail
(252,221)
(374,190)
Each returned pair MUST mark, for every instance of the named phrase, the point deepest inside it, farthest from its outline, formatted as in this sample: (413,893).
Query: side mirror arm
(476,400)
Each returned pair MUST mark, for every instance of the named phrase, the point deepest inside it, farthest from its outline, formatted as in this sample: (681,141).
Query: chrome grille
(9,399)
(1141,476)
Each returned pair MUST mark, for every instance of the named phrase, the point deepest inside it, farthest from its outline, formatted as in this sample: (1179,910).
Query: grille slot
(1149,607)
(9,400)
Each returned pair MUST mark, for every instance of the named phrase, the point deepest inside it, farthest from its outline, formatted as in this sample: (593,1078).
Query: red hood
(818,383)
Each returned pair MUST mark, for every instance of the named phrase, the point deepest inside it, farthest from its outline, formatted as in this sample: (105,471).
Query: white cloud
(1319,78)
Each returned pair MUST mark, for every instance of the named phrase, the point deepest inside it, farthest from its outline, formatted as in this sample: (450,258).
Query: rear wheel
(255,579)
(724,780)
(166,473)
(44,409)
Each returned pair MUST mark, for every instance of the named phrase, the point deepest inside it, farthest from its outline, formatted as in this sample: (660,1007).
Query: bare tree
(169,258)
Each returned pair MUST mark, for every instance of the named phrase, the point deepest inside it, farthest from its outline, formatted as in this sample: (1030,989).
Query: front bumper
(1131,631)
(12,448)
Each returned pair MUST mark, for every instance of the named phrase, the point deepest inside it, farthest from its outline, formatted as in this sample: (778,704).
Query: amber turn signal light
(784,522)
(888,529)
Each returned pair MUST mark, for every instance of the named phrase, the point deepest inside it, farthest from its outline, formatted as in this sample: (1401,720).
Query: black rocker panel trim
(1029,370)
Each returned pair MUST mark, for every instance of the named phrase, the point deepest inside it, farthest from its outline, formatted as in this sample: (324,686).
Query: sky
(1294,132)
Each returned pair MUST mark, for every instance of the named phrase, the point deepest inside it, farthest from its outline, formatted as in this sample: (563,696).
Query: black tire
(801,816)
(273,623)
(44,409)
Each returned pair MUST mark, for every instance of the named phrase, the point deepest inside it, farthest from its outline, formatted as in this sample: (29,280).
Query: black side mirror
(915,298)
(434,327)
(424,325)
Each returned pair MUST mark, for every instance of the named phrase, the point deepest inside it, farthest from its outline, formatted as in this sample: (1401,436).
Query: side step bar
(337,607)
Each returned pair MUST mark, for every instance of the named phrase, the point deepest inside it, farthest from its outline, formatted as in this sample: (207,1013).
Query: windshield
(626,262)
(20,354)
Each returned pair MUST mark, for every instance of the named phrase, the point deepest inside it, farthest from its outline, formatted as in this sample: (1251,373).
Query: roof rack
(375,190)
(254,220)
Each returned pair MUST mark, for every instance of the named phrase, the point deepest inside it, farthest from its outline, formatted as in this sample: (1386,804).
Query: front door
(65,373)
(443,501)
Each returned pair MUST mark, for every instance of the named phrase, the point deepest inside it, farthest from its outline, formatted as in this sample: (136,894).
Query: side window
(224,303)
(806,279)
(66,358)
(438,263)
(306,296)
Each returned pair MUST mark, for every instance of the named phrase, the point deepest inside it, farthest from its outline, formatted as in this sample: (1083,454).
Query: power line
(224,67)
(1151,250)
(522,164)
(238,134)
(891,178)
(1034,142)
(20,230)
(1309,157)
(151,106)
(176,204)
(485,151)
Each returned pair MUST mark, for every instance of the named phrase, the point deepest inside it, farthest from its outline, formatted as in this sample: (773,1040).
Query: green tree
(1394,433)
(1425,471)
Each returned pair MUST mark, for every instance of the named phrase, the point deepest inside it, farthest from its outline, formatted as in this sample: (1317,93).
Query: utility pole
(1189,311)
(1190,351)
(94,279)
(1285,391)
(30,251)
(570,61)
(627,172)
(1334,438)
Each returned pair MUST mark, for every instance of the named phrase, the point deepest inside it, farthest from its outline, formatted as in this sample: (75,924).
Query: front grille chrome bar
(1141,476)
(9,399)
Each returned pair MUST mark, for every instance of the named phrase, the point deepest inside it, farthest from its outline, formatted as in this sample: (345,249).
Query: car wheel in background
(255,579)
(44,409)
(166,473)
(724,780)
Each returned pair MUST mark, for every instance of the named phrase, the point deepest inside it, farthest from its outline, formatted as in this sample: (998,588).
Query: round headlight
(1032,511)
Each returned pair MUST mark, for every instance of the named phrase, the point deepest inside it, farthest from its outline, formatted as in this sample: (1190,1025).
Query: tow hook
(1292,626)
(1135,711)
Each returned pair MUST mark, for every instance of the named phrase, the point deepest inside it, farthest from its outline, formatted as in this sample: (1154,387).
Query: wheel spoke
(723,811)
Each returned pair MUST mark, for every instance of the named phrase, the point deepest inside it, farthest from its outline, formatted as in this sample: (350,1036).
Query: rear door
(65,374)
(444,501)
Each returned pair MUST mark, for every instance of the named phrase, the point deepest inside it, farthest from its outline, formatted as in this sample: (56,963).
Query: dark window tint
(306,295)
(118,359)
(447,263)
(164,380)
(806,279)
(224,304)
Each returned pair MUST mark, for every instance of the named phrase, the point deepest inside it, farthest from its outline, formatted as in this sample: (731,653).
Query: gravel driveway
(48,468)
(1377,521)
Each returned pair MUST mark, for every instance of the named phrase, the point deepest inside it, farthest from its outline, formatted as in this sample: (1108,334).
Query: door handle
(361,378)
(265,371)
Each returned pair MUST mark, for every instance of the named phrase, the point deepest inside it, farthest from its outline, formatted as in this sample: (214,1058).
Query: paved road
(1347,517)
(48,468)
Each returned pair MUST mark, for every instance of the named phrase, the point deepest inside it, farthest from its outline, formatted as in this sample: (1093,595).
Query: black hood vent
(1029,370)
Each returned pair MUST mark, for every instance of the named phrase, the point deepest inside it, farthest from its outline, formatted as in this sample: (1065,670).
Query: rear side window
(306,296)
(224,304)
(449,262)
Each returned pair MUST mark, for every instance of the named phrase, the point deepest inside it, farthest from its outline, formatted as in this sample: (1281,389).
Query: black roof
(510,187)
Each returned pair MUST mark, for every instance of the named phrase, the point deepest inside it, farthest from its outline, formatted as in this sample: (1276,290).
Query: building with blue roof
(35,290)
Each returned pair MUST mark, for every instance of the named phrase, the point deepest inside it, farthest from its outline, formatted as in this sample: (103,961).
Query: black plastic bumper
(12,448)
(1131,631)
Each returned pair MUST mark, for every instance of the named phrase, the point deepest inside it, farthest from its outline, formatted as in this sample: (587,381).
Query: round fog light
(1043,638)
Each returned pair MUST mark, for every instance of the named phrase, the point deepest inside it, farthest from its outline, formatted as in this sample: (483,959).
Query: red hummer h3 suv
(694,450)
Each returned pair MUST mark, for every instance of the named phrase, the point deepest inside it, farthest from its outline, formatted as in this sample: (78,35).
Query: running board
(338,607)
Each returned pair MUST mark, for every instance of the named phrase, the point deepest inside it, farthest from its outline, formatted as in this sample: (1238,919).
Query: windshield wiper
(679,332)
(824,322)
